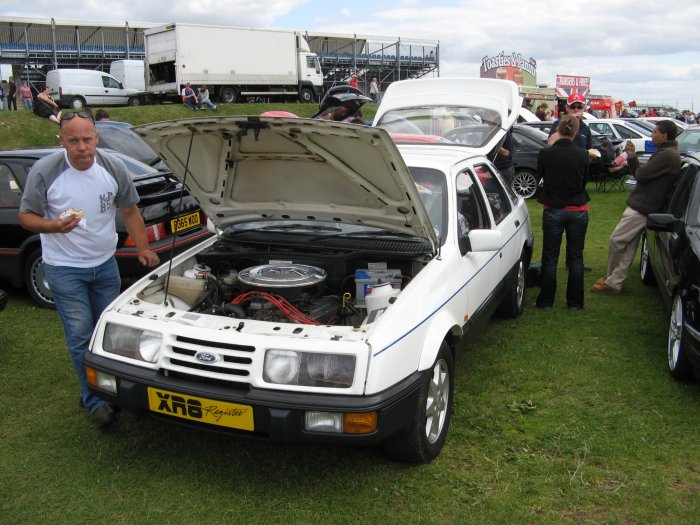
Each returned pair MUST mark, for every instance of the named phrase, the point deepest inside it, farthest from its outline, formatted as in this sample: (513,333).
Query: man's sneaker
(103,415)
(604,288)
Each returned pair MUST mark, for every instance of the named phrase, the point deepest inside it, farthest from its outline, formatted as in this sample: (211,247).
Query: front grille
(233,363)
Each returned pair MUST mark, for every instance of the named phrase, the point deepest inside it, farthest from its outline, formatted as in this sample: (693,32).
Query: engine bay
(285,285)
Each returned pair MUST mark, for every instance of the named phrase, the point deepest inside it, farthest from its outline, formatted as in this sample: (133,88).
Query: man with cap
(575,106)
(189,97)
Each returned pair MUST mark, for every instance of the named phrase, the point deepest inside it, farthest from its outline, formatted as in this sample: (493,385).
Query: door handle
(517,223)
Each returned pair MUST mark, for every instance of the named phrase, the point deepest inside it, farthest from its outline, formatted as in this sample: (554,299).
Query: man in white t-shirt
(71,199)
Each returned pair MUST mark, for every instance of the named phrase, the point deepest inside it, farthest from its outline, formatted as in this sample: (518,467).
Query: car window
(10,192)
(431,188)
(123,140)
(627,133)
(470,207)
(681,197)
(600,127)
(498,200)
(468,126)
(109,82)
(689,142)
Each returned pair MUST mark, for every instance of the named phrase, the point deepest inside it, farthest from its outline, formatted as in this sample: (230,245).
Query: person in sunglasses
(71,199)
(575,106)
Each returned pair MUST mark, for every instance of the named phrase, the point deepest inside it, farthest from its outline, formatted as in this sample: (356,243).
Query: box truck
(235,63)
(130,73)
(77,88)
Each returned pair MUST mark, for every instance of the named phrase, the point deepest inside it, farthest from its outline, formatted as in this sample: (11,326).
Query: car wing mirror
(485,240)
(662,222)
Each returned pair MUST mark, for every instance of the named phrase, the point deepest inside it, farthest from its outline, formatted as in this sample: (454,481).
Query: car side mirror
(485,240)
(662,222)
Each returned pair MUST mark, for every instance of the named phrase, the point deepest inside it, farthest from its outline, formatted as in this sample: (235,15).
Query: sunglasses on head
(81,114)
(576,106)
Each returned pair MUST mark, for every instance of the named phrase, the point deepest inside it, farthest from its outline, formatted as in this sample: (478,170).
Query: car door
(12,235)
(114,92)
(481,269)
(664,248)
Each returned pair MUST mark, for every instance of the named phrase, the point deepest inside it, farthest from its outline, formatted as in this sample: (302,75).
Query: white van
(130,73)
(77,88)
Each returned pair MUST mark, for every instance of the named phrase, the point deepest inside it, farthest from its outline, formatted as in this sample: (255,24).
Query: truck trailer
(234,63)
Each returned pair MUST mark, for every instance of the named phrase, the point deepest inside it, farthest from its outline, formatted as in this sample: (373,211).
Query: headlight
(143,345)
(287,367)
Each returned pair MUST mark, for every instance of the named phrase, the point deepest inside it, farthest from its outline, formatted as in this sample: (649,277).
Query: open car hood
(499,97)
(244,169)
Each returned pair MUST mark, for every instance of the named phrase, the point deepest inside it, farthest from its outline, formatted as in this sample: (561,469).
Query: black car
(118,136)
(671,258)
(163,211)
(527,144)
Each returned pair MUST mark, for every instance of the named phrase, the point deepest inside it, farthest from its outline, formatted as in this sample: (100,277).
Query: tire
(228,95)
(77,103)
(135,101)
(678,364)
(524,184)
(645,264)
(306,96)
(35,280)
(514,303)
(423,439)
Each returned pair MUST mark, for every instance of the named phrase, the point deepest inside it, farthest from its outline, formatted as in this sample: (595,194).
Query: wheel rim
(437,401)
(39,282)
(77,103)
(675,330)
(645,258)
(524,184)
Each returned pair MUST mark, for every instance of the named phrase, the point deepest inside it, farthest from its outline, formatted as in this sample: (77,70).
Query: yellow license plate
(184,222)
(200,409)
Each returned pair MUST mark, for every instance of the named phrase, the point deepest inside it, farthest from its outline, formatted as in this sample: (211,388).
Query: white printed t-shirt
(54,186)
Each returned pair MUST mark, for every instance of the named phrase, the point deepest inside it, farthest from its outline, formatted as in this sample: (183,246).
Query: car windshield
(689,141)
(467,126)
(119,137)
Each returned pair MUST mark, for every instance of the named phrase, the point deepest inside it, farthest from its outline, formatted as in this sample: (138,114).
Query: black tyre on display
(423,440)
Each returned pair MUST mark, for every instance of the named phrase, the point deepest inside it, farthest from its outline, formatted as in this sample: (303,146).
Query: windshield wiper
(370,233)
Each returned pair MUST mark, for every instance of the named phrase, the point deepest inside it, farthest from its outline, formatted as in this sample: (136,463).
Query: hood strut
(179,207)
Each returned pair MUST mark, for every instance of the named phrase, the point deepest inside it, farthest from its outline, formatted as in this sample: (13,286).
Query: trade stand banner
(515,67)
(567,85)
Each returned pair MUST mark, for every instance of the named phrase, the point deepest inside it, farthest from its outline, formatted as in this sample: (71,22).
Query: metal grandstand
(33,46)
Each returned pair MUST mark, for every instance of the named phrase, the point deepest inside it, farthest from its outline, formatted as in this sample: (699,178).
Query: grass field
(560,417)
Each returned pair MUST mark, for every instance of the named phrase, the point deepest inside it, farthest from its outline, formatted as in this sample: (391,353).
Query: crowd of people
(564,169)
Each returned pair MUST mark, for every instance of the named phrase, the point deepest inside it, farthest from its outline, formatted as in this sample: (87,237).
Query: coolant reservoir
(379,299)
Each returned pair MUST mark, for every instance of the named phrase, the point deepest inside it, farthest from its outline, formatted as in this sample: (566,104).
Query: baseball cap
(187,83)
(576,97)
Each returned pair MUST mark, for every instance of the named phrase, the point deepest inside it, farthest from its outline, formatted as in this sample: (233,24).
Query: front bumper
(277,415)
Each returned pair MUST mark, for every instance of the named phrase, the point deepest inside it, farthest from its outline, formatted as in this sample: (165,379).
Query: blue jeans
(207,103)
(554,223)
(81,295)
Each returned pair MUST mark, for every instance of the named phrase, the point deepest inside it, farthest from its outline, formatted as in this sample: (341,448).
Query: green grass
(560,417)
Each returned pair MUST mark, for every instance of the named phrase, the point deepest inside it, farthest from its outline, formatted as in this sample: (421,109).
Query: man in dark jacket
(654,182)
(575,106)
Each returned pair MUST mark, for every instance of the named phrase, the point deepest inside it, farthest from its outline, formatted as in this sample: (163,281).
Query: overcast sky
(642,50)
